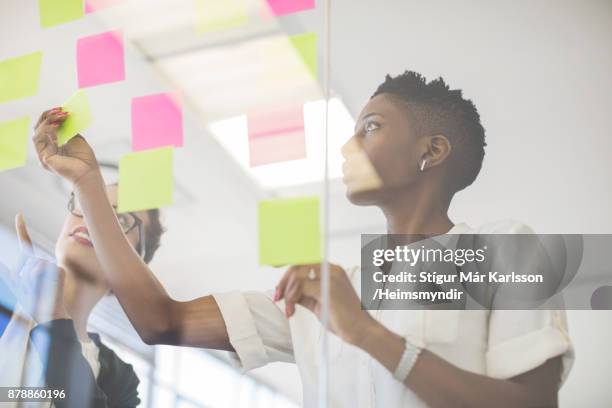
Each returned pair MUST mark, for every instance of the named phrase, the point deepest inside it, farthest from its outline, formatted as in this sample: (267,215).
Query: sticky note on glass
(214,15)
(157,121)
(79,117)
(282,7)
(100,59)
(145,180)
(276,135)
(91,6)
(14,136)
(289,232)
(306,47)
(19,76)
(55,12)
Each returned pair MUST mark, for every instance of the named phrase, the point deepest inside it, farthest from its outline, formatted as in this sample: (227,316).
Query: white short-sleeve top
(500,344)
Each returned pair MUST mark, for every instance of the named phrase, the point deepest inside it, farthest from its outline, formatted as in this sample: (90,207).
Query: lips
(81,235)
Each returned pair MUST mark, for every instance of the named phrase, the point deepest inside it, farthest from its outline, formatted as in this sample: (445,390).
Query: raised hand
(72,160)
(38,284)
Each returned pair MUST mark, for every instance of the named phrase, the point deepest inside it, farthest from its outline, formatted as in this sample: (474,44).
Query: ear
(437,150)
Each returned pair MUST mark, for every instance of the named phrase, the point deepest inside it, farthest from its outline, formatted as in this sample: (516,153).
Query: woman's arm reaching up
(158,318)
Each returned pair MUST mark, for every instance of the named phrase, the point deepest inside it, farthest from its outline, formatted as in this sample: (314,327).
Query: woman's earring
(423,163)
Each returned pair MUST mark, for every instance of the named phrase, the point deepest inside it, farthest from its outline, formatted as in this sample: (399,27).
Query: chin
(81,261)
(362,198)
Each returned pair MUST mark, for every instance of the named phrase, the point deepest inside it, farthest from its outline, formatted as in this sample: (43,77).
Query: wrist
(91,177)
(368,333)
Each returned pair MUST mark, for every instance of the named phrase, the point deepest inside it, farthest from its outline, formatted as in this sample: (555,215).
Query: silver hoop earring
(423,163)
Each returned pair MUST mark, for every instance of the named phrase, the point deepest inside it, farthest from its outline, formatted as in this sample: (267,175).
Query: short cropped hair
(435,109)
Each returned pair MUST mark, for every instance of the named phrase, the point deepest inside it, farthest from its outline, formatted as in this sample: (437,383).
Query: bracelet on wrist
(406,363)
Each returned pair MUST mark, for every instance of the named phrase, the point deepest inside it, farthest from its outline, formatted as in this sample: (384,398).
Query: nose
(350,147)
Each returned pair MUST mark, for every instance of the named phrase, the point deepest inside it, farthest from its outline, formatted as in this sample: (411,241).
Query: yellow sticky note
(214,15)
(19,76)
(289,232)
(145,180)
(14,143)
(79,117)
(306,46)
(55,12)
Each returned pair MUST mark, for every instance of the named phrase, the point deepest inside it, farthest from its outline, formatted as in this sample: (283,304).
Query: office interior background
(539,73)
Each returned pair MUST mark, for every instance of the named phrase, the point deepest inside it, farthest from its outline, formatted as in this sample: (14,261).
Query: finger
(47,126)
(44,115)
(316,268)
(280,287)
(25,242)
(50,125)
(54,117)
(312,289)
(292,296)
(310,304)
(45,143)
(58,118)
(310,296)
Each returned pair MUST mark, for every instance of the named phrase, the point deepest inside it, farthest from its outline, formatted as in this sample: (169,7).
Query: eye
(124,220)
(371,126)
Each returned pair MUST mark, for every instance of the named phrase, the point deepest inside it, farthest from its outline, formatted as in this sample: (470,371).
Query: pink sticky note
(157,121)
(100,59)
(282,7)
(276,135)
(91,6)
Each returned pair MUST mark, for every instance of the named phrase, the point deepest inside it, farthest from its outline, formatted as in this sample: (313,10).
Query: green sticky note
(289,232)
(306,46)
(55,12)
(19,76)
(14,143)
(214,15)
(145,180)
(79,117)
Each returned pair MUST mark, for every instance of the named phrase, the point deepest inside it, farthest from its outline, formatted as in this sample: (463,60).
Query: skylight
(232,135)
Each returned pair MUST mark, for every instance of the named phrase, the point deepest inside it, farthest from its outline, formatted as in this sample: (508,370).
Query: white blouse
(500,343)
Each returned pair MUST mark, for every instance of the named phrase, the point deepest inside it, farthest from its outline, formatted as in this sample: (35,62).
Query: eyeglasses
(128,221)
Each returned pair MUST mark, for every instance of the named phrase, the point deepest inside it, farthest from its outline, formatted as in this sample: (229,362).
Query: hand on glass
(302,285)
(72,160)
(38,284)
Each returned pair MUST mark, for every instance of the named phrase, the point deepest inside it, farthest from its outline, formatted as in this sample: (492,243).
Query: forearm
(441,384)
(141,295)
(158,319)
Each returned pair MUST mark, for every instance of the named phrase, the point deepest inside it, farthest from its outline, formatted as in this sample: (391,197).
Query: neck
(420,211)
(80,297)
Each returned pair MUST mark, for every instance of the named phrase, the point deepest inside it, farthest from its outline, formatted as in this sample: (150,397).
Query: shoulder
(506,226)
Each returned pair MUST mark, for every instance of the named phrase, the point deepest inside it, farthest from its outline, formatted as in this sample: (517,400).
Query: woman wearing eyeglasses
(77,362)
(416,144)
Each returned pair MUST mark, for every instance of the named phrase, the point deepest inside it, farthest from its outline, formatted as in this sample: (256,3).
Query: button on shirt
(499,343)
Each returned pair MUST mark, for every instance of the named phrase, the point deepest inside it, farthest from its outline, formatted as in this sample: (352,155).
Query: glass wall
(188,377)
